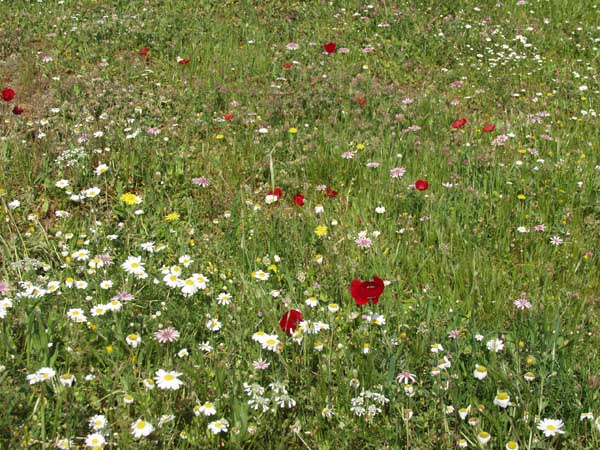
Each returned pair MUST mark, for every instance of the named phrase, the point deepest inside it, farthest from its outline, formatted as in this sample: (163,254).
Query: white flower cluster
(369,403)
(279,397)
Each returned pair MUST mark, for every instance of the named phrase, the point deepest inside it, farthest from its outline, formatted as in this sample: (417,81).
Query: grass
(508,215)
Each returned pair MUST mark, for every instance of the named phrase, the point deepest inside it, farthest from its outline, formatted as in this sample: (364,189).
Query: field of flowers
(299,225)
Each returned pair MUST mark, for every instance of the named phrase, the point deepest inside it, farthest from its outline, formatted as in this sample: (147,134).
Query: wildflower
(260,364)
(327,412)
(201,181)
(597,423)
(289,321)
(141,428)
(502,400)
(208,409)
(270,342)
(144,51)
(172,217)
(321,230)
(168,334)
(168,380)
(480,372)
(133,265)
(43,374)
(218,426)
(95,440)
(130,198)
(551,427)
(556,240)
(586,416)
(329,48)
(406,377)
(66,379)
(421,185)
(483,437)
(488,128)
(213,325)
(459,123)
(299,199)
(511,445)
(365,291)
(101,169)
(495,345)
(76,315)
(133,339)
(522,303)
(8,94)
(97,422)
(262,276)
(292,46)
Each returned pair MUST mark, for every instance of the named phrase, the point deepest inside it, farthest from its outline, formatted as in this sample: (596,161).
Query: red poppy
(277,193)
(365,291)
(184,61)
(299,199)
(330,192)
(488,128)
(144,51)
(330,47)
(8,94)
(228,117)
(287,66)
(17,110)
(421,185)
(459,123)
(362,101)
(289,321)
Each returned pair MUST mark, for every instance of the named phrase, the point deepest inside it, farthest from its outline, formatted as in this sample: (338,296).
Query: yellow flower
(272,268)
(109,349)
(219,136)
(293,130)
(521,197)
(130,199)
(321,230)
(171,217)
(360,146)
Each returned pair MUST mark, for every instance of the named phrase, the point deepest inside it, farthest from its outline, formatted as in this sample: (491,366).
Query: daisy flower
(218,426)
(168,380)
(551,427)
(141,428)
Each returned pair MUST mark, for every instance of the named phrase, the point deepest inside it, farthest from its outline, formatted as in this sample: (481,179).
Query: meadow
(299,225)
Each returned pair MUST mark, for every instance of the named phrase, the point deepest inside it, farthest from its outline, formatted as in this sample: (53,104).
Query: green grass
(455,256)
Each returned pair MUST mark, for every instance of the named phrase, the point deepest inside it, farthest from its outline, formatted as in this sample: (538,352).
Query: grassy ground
(161,130)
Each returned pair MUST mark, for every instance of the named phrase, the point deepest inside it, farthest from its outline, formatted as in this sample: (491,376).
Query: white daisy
(168,380)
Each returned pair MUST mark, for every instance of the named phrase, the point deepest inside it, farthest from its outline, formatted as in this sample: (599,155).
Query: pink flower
(397,172)
(201,181)
(292,46)
(540,227)
(363,242)
(457,84)
(522,303)
(169,334)
(3,287)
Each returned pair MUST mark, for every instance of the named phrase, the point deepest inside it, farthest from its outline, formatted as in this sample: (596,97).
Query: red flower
(144,51)
(330,47)
(365,291)
(287,66)
(488,128)
(228,117)
(330,192)
(362,101)
(8,94)
(184,61)
(421,185)
(459,123)
(299,199)
(277,193)
(17,110)
(289,321)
